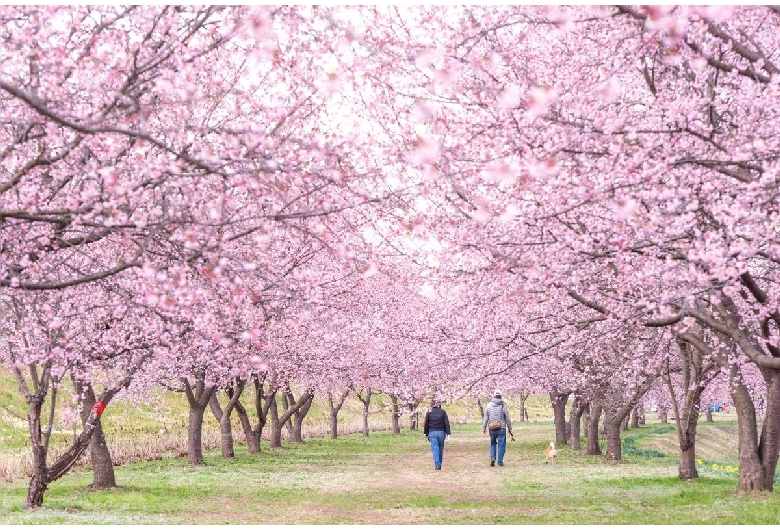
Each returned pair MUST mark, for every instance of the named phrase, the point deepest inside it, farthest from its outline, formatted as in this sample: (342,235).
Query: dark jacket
(436,420)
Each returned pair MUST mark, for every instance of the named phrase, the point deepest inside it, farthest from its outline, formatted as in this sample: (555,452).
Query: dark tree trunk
(252,437)
(396,415)
(102,467)
(414,418)
(35,491)
(195,436)
(751,472)
(757,457)
(366,401)
(226,439)
(697,367)
(687,424)
(38,481)
(365,416)
(769,445)
(286,402)
(575,417)
(624,423)
(480,407)
(523,409)
(613,425)
(335,407)
(198,398)
(277,421)
(234,392)
(558,401)
(687,469)
(42,475)
(635,418)
(594,448)
(334,424)
(262,401)
(275,435)
(300,414)
(708,412)
(663,415)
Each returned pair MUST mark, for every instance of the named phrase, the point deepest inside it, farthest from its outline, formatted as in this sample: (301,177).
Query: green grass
(389,479)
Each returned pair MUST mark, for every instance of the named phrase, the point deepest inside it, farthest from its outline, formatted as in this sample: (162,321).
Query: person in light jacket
(496,412)
(436,430)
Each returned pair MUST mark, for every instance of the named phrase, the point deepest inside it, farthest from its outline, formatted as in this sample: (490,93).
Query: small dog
(550,453)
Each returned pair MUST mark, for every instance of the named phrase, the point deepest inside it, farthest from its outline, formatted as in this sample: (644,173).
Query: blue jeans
(437,446)
(498,438)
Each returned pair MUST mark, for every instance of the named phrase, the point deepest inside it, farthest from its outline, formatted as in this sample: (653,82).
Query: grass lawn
(391,480)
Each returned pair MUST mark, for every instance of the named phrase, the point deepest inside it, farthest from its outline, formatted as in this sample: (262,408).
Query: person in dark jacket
(437,429)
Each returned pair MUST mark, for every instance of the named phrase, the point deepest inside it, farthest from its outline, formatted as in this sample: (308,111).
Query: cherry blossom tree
(413,200)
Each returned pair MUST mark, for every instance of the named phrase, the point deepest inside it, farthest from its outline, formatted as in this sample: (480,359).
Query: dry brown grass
(714,442)
(139,447)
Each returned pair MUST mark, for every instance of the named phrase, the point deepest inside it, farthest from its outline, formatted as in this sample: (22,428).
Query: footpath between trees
(389,479)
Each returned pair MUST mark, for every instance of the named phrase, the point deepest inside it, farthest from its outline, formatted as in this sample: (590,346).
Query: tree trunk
(613,425)
(687,423)
(575,418)
(687,469)
(635,418)
(195,436)
(696,371)
(226,438)
(278,422)
(624,424)
(299,415)
(769,446)
(480,407)
(289,424)
(396,414)
(234,392)
(365,416)
(276,425)
(198,398)
(262,403)
(38,482)
(751,472)
(42,476)
(366,404)
(334,423)
(709,415)
(414,418)
(35,491)
(593,430)
(523,409)
(102,467)
(663,415)
(558,401)
(335,407)
(252,437)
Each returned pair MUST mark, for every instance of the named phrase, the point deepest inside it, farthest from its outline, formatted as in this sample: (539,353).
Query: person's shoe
(492,462)
(438,467)
(501,464)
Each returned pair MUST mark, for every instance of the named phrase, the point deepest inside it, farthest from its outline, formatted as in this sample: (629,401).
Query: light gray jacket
(496,410)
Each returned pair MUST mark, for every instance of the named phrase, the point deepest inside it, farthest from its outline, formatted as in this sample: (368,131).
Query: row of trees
(418,201)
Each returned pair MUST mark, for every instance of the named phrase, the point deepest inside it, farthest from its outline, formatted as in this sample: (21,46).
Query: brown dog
(550,453)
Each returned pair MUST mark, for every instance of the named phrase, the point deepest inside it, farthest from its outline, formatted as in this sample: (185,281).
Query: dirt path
(403,487)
